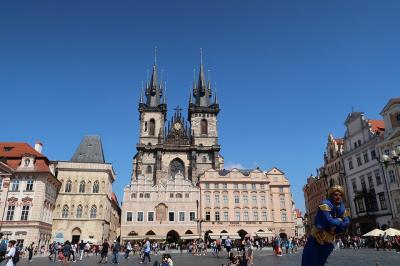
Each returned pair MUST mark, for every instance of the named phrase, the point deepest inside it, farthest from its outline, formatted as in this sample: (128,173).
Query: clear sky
(287,73)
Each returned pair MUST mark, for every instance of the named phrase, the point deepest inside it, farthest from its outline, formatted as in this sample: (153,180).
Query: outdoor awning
(265,234)
(375,232)
(392,232)
(20,233)
(188,237)
(152,237)
(224,236)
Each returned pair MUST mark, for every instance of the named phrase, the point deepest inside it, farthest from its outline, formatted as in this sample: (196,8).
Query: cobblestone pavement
(362,257)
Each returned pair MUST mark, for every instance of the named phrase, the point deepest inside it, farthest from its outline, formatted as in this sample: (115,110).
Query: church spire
(202,90)
(154,90)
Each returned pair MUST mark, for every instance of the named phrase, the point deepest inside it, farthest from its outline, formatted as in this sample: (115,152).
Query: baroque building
(28,192)
(390,147)
(174,159)
(86,208)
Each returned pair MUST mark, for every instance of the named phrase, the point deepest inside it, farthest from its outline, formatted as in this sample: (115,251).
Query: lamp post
(393,158)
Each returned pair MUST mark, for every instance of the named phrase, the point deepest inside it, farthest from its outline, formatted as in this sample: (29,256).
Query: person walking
(128,248)
(332,218)
(146,251)
(116,247)
(11,253)
(30,251)
(104,251)
(228,246)
(81,249)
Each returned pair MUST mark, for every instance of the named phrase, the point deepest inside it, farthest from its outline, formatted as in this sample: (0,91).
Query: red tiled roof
(13,152)
(377,125)
(17,149)
(339,141)
(298,213)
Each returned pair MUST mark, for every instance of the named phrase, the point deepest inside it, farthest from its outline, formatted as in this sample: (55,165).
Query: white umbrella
(392,232)
(375,232)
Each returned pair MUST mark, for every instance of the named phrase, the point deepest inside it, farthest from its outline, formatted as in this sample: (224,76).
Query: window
(208,216)
(255,215)
(217,218)
(68,186)
(246,215)
(360,203)
(29,185)
(204,127)
(179,195)
(216,186)
(236,199)
(79,211)
(140,216)
(377,177)
(96,187)
(149,170)
(264,216)
(93,212)
(208,200)
(373,155)
(237,215)
(204,159)
(236,186)
(398,117)
(192,216)
(207,185)
(152,127)
(150,216)
(283,217)
(226,216)
(262,186)
(244,186)
(65,212)
(15,185)
(216,199)
(397,203)
(282,201)
(359,143)
(171,195)
(366,159)
(224,185)
(245,199)
(370,181)
(350,164)
(171,216)
(133,196)
(10,213)
(281,190)
(254,199)
(359,163)
(354,185)
(82,187)
(129,217)
(382,200)
(263,200)
(225,199)
(392,177)
(363,184)
(253,186)
(181,216)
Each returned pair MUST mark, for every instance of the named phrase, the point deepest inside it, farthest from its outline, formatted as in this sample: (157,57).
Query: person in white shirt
(10,253)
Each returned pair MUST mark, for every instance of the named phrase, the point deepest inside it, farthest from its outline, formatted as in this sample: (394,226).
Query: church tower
(203,112)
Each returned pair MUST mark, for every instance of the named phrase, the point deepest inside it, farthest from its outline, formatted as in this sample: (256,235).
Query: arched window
(149,170)
(82,187)
(96,187)
(204,127)
(93,211)
(65,211)
(152,127)
(178,195)
(79,211)
(176,166)
(68,186)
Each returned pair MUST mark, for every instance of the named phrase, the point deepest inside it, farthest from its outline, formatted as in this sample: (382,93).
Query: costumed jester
(332,218)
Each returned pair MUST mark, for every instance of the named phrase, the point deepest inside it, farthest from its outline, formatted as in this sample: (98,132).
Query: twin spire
(201,91)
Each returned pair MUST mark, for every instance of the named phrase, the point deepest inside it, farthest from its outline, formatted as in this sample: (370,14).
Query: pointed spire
(165,93)
(153,89)
(141,96)
(190,97)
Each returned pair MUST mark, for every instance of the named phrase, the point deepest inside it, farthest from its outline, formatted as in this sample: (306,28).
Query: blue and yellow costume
(330,220)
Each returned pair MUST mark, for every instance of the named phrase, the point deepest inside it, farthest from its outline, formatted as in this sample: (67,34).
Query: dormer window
(26,162)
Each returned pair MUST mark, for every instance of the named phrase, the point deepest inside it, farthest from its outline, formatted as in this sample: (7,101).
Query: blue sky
(287,73)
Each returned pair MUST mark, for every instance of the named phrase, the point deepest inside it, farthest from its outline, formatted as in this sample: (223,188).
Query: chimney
(38,146)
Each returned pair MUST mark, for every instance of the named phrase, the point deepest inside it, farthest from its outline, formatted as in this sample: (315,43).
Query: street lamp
(394,157)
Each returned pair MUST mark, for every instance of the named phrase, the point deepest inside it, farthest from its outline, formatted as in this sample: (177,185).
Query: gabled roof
(275,170)
(377,125)
(89,151)
(17,149)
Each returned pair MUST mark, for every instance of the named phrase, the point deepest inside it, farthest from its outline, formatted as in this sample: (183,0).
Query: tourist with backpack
(30,251)
(12,256)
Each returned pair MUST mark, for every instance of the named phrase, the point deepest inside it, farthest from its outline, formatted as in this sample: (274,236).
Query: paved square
(347,257)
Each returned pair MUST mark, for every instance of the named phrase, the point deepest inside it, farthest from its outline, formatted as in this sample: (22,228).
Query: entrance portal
(76,235)
(172,236)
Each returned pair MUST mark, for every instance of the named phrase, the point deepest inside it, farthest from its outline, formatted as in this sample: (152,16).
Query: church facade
(164,198)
